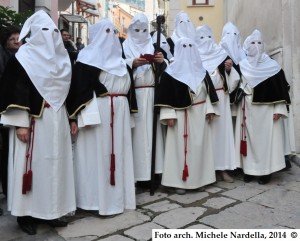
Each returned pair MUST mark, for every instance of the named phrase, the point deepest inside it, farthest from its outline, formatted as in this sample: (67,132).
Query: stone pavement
(221,205)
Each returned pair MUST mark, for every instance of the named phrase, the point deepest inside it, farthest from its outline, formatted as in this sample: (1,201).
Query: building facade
(210,12)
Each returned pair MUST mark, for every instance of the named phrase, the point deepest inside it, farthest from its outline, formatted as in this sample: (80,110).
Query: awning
(74,18)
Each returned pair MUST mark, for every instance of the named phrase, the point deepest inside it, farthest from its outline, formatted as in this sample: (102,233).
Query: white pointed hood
(105,50)
(211,54)
(187,65)
(257,66)
(45,59)
(183,27)
(231,42)
(139,41)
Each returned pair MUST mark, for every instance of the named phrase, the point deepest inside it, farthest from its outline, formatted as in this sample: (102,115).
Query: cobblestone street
(221,205)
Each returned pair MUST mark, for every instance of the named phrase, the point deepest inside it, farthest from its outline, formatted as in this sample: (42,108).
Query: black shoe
(288,164)
(93,212)
(27,224)
(53,222)
(147,184)
(143,184)
(248,178)
(264,179)
(56,223)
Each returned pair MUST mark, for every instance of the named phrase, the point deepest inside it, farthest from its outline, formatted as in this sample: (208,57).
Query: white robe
(142,133)
(222,128)
(199,145)
(265,137)
(289,133)
(53,193)
(93,151)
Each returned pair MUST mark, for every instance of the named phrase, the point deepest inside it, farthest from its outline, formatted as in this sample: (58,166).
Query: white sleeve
(15,117)
(280,108)
(90,115)
(210,109)
(166,114)
(233,79)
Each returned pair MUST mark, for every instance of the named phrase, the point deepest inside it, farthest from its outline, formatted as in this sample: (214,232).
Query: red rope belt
(144,86)
(46,105)
(27,176)
(112,155)
(219,89)
(199,103)
(185,172)
(243,146)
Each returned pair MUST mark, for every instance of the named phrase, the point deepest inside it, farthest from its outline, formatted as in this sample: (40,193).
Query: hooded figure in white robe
(184,28)
(260,151)
(104,176)
(231,42)
(33,91)
(185,96)
(224,78)
(137,43)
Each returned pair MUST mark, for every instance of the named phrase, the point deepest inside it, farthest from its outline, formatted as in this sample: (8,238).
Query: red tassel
(24,186)
(185,173)
(187,170)
(243,147)
(29,180)
(112,169)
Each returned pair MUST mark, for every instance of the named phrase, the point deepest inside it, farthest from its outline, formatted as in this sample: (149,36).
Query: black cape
(273,90)
(221,69)
(175,94)
(85,80)
(17,90)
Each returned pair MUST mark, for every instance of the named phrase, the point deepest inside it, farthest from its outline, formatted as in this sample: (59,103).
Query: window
(199,3)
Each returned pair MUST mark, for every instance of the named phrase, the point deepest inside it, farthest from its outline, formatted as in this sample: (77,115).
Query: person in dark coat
(9,46)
